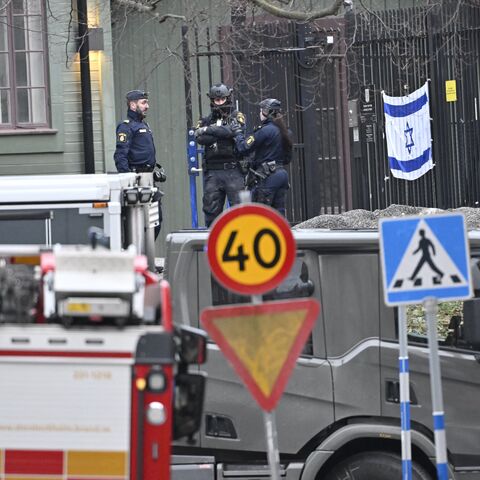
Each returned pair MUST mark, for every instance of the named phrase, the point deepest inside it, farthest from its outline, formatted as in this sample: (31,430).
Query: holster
(268,167)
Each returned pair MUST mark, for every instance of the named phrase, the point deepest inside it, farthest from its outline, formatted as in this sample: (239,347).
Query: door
(232,418)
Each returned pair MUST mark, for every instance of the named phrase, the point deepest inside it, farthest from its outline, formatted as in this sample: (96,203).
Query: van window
(458,322)
(298,284)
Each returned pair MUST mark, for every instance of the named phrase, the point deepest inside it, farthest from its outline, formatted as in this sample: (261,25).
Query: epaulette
(126,121)
(257,128)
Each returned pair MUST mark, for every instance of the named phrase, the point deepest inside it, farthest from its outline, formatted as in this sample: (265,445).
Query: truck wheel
(374,466)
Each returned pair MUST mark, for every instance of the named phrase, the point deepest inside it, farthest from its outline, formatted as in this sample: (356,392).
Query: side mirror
(191,345)
(188,404)
(471,322)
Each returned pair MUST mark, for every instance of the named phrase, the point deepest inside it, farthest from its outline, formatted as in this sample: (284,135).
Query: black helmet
(219,90)
(270,106)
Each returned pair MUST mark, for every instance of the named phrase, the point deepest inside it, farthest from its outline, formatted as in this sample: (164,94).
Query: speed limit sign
(251,249)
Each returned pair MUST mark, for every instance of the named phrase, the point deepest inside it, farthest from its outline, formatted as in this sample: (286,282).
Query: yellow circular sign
(251,249)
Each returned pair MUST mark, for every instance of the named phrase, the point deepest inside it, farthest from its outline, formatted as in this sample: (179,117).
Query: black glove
(159,174)
(236,128)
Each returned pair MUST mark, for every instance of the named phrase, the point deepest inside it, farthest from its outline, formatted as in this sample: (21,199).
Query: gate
(397,51)
(304,67)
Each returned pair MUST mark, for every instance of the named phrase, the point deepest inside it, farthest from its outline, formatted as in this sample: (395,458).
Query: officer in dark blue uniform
(272,144)
(135,151)
(222,172)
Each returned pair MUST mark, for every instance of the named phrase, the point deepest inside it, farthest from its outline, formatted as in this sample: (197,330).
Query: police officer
(135,151)
(272,144)
(222,175)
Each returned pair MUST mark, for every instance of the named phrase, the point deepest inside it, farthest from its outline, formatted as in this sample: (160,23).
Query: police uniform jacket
(135,147)
(267,144)
(218,137)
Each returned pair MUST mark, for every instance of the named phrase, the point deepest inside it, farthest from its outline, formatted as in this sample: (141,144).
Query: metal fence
(397,51)
(303,66)
(329,74)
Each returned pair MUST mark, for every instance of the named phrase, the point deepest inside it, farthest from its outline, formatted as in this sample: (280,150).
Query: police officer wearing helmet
(272,145)
(135,150)
(222,175)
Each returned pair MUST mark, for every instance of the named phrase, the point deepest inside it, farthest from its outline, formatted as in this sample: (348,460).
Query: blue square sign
(425,256)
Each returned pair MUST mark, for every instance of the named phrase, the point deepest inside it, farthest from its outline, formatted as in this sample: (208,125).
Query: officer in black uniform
(222,175)
(272,144)
(135,151)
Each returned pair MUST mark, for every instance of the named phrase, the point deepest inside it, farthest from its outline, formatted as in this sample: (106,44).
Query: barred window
(23,64)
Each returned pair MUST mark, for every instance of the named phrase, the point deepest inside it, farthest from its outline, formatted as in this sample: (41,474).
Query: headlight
(156,381)
(131,196)
(145,195)
(156,414)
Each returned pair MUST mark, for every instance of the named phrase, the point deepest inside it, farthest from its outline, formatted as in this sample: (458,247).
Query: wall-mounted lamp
(95,39)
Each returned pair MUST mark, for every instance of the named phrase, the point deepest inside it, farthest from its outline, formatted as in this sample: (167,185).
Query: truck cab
(339,417)
(91,385)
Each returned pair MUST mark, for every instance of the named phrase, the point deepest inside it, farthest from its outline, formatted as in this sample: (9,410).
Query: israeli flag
(407,125)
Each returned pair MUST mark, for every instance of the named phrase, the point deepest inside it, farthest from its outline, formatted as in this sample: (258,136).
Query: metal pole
(87,114)
(404,377)
(272,445)
(431,309)
(270,428)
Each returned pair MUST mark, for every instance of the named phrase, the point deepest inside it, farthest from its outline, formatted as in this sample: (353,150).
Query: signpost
(251,249)
(424,259)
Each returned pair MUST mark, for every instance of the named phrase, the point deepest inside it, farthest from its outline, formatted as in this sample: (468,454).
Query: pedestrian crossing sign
(425,256)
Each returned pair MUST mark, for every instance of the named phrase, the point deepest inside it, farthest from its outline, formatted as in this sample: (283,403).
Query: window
(298,284)
(458,322)
(23,69)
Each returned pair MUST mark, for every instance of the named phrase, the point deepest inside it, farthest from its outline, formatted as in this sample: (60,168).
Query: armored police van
(339,417)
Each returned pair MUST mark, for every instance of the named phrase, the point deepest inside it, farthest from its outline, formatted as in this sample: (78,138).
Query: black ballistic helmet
(270,106)
(134,95)
(219,90)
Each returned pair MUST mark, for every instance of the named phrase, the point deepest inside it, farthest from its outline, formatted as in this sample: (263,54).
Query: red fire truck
(88,387)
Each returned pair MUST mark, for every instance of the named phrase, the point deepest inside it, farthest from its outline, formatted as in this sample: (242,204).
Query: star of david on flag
(407,126)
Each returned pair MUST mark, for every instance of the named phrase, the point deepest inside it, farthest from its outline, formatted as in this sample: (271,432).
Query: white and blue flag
(407,126)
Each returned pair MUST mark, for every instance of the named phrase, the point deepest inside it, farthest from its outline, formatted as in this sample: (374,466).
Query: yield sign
(262,342)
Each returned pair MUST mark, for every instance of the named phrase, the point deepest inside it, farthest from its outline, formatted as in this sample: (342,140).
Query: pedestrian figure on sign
(425,245)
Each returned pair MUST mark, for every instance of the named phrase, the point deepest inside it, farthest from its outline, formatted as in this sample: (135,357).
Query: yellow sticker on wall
(451,90)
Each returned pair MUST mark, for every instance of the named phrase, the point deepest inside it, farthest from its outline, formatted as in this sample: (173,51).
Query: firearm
(252,178)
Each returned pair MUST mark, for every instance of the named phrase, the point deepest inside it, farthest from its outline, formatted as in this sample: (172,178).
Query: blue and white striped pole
(431,310)
(404,378)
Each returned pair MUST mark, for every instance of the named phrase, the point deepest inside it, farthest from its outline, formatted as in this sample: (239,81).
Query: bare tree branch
(144,7)
(304,16)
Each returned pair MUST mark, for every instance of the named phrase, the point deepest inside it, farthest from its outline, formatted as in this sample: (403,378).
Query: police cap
(134,95)
(271,105)
(219,90)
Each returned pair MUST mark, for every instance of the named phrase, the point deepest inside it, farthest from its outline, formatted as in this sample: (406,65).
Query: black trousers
(218,185)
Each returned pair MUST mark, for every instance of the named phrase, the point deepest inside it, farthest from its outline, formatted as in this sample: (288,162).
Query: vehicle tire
(374,466)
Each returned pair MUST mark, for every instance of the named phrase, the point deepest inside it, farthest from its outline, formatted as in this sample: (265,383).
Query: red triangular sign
(262,342)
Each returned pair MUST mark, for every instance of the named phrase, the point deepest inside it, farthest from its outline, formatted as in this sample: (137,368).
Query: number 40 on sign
(251,249)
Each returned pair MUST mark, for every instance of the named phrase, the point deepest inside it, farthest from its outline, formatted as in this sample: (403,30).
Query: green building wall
(59,150)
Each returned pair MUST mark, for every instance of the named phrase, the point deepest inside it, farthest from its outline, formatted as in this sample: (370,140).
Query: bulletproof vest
(222,150)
